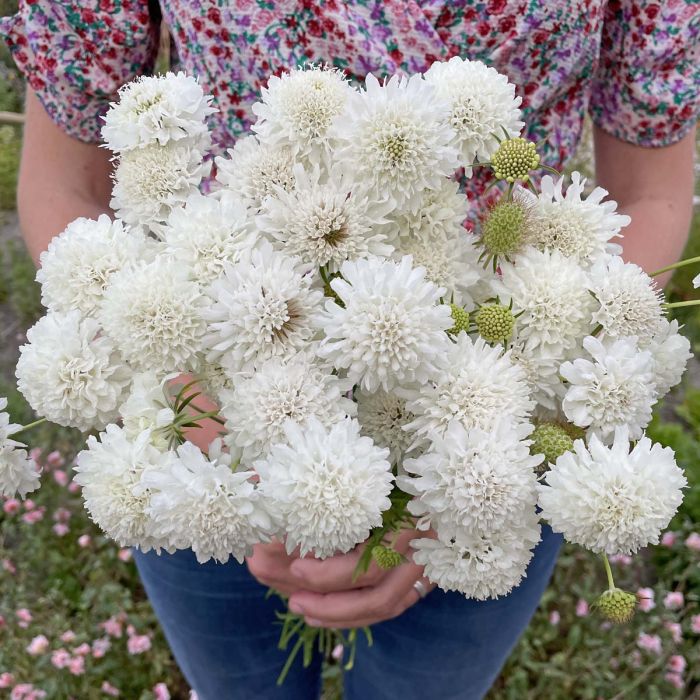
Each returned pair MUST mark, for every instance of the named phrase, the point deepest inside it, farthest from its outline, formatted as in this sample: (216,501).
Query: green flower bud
(461,319)
(550,440)
(616,605)
(503,230)
(514,159)
(495,323)
(386,557)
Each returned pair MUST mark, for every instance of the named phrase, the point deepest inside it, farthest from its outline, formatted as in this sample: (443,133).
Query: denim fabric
(219,625)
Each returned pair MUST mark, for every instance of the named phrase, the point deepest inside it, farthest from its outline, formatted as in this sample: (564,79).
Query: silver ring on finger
(420,589)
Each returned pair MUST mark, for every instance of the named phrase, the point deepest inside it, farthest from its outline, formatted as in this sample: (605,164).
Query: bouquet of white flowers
(374,363)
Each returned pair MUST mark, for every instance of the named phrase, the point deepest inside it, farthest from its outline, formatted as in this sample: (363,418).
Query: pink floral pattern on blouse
(634,64)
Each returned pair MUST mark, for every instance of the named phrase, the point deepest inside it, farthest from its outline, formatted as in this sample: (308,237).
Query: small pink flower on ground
(21,691)
(60,658)
(554,617)
(693,541)
(645,596)
(55,459)
(2,622)
(83,650)
(6,680)
(675,679)
(100,647)
(84,541)
(60,529)
(73,487)
(60,477)
(109,689)
(582,608)
(77,665)
(138,643)
(193,695)
(673,600)
(668,539)
(130,630)
(9,566)
(35,454)
(649,642)
(695,624)
(161,692)
(29,504)
(38,645)
(125,554)
(24,617)
(636,658)
(337,652)
(621,559)
(68,636)
(61,515)
(675,629)
(112,627)
(677,663)
(11,506)
(34,516)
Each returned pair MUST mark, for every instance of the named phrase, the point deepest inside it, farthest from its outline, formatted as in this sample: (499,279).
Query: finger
(375,602)
(335,573)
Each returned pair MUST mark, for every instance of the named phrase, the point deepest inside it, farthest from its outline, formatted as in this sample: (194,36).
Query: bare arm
(655,187)
(60,179)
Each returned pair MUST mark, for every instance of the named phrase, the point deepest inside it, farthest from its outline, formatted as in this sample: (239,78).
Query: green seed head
(386,557)
(495,323)
(461,318)
(504,229)
(514,159)
(616,605)
(550,440)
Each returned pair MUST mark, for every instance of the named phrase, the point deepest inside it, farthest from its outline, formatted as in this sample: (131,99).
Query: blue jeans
(219,625)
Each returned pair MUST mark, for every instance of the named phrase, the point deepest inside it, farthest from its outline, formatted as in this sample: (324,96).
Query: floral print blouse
(634,64)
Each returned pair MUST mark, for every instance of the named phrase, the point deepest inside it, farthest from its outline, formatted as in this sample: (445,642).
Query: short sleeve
(75,56)
(647,86)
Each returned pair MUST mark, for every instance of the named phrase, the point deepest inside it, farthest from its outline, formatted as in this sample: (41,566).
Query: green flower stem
(675,266)
(215,418)
(608,571)
(29,426)
(680,304)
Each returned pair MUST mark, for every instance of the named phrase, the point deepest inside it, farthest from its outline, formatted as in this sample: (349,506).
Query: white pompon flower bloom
(391,329)
(253,171)
(552,295)
(76,268)
(480,565)
(200,503)
(382,416)
(71,373)
(157,109)
(696,281)
(629,300)
(325,221)
(541,368)
(150,181)
(616,389)
(208,233)
(18,472)
(263,306)
(670,351)
(110,471)
(483,106)
(147,408)
(479,385)
(395,138)
(331,486)
(580,228)
(299,108)
(280,390)
(613,500)
(153,312)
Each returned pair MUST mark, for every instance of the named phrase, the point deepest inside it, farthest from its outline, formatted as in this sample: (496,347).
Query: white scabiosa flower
(298,109)
(280,390)
(147,408)
(612,499)
(395,138)
(480,565)
(670,351)
(616,389)
(76,268)
(71,373)
(382,416)
(153,312)
(578,227)
(253,171)
(208,233)
(204,505)
(330,485)
(480,385)
(390,330)
(19,473)
(264,306)
(483,106)
(473,480)
(629,301)
(550,294)
(110,472)
(541,368)
(150,181)
(325,221)
(157,109)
